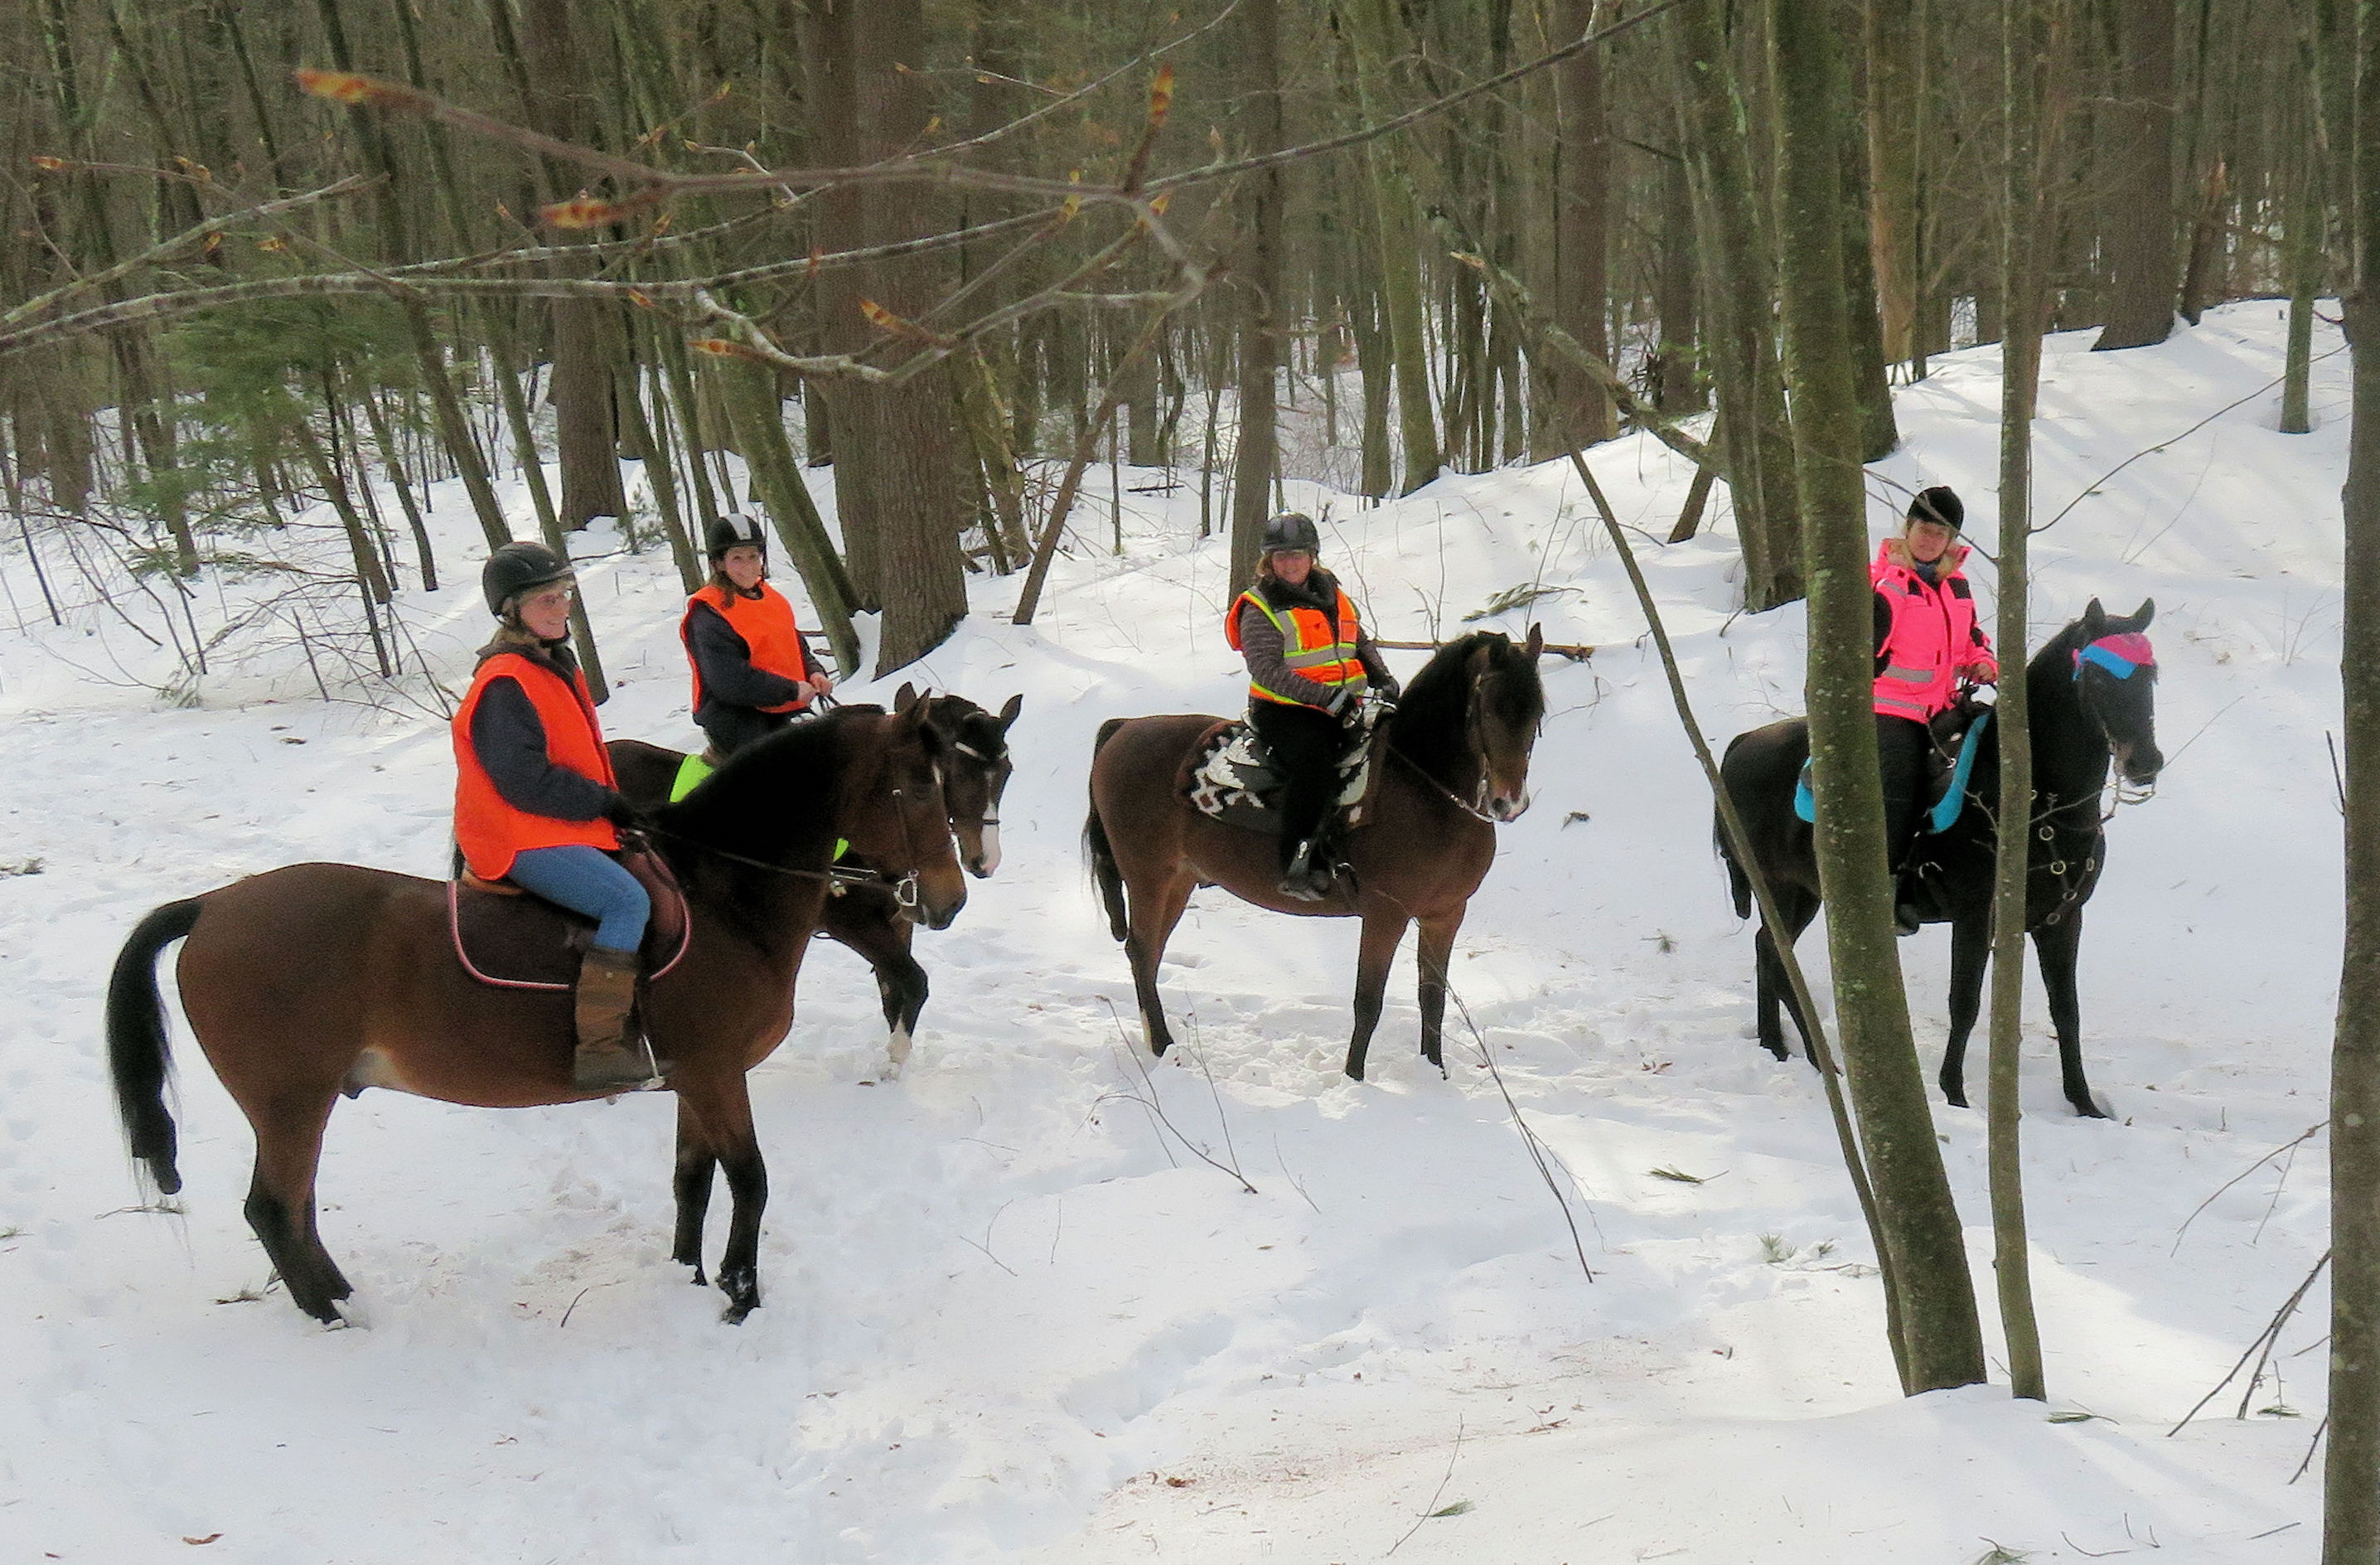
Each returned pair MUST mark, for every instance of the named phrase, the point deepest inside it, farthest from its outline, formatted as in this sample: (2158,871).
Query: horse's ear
(905,699)
(1008,712)
(915,714)
(1536,643)
(2095,621)
(2143,614)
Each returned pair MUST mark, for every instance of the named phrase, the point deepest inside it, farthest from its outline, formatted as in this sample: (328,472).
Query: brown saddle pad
(506,937)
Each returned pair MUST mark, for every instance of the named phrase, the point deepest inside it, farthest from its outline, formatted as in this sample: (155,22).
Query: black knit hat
(1940,504)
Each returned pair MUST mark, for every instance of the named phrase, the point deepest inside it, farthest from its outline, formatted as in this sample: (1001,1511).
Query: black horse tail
(1739,885)
(1102,854)
(137,1054)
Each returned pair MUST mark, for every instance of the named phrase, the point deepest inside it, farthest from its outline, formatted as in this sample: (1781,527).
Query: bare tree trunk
(1373,25)
(836,138)
(1578,411)
(749,392)
(1894,43)
(922,502)
(2025,185)
(2350,1522)
(2139,210)
(1260,281)
(1942,1338)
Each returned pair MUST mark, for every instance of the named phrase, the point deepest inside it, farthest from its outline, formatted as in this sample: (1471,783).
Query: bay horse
(1452,760)
(313,979)
(868,919)
(2091,695)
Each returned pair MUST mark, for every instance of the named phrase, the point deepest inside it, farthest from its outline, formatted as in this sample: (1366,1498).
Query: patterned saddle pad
(506,938)
(1230,777)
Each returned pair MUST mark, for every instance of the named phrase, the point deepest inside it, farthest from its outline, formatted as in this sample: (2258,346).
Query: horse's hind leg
(1772,991)
(691,1181)
(1154,911)
(1381,933)
(722,1110)
(1436,948)
(279,1204)
(2059,946)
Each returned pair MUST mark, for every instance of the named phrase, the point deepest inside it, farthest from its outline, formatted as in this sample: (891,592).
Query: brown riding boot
(609,1055)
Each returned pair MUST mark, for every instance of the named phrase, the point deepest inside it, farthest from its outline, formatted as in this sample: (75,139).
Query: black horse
(2091,695)
(867,919)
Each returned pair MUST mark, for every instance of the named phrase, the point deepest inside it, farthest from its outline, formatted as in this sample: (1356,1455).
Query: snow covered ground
(1011,1317)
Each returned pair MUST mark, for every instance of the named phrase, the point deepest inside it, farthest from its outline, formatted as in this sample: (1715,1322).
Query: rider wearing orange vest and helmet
(1309,662)
(752,671)
(535,800)
(1927,642)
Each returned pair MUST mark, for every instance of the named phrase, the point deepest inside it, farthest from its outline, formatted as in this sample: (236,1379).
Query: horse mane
(771,801)
(1429,725)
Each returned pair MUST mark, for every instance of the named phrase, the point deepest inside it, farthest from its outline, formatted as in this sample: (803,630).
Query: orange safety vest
(766,623)
(1317,646)
(492,832)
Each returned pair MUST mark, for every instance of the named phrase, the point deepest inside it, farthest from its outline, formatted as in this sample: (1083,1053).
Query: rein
(1473,811)
(905,886)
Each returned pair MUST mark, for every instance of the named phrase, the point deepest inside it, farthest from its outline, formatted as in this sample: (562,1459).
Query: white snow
(1009,1316)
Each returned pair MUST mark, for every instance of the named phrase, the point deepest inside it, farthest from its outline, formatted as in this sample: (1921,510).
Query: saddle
(506,938)
(1958,733)
(1229,775)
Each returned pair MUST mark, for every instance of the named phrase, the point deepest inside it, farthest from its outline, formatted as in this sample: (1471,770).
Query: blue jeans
(590,881)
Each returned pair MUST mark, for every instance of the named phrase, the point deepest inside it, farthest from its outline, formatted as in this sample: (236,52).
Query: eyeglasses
(549,597)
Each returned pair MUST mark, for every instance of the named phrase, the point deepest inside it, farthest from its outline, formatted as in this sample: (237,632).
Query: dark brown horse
(305,981)
(1455,759)
(2091,696)
(869,919)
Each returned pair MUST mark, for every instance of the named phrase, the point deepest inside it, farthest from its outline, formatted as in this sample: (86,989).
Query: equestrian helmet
(734,530)
(1940,504)
(519,568)
(1291,529)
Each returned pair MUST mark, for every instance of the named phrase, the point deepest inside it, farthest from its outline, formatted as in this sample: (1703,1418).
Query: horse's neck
(1446,761)
(2070,754)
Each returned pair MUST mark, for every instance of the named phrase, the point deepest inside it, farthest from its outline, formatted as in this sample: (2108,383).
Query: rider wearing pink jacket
(1927,640)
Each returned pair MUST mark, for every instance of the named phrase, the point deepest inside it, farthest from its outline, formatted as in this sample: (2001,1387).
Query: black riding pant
(1904,747)
(1306,746)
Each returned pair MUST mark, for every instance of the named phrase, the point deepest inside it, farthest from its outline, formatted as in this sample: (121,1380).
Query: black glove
(625,815)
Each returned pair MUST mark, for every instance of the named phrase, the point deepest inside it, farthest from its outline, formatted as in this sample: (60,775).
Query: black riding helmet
(734,530)
(1291,530)
(519,568)
(1939,503)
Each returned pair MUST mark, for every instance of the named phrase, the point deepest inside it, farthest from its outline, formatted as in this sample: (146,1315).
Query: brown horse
(313,979)
(1455,759)
(867,919)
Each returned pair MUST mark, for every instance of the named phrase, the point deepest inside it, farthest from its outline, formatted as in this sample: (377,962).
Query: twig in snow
(986,1245)
(2309,1131)
(1149,1102)
(2337,777)
(1295,1182)
(1431,1509)
(2312,1446)
(2265,1342)
(2092,1553)
(1540,1153)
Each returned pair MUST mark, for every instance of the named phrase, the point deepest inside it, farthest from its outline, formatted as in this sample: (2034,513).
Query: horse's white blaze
(991,849)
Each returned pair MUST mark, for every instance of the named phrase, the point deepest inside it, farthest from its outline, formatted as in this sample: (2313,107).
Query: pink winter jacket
(1926,635)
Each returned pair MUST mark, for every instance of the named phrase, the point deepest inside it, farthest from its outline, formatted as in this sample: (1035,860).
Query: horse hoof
(1780,1050)
(2088,1107)
(1955,1100)
(743,1291)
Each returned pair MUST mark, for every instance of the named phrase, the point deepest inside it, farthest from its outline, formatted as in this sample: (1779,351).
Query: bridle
(1477,806)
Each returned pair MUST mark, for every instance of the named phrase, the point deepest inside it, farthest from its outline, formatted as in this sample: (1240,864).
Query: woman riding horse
(1309,662)
(536,802)
(1927,641)
(752,673)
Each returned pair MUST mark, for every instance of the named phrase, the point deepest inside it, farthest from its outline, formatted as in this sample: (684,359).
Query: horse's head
(2115,678)
(975,768)
(895,814)
(1507,707)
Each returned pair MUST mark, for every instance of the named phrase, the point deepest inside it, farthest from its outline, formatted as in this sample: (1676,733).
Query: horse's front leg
(1383,930)
(1436,948)
(868,923)
(691,1183)
(2057,947)
(722,1107)
(1971,953)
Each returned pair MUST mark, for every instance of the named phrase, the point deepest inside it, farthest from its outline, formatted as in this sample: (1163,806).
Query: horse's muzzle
(2140,764)
(1507,807)
(938,916)
(981,865)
